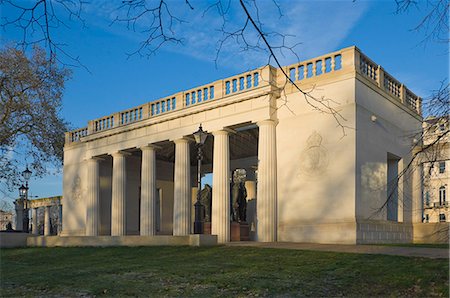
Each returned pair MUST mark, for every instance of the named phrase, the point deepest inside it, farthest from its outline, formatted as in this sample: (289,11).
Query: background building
(436,170)
(5,218)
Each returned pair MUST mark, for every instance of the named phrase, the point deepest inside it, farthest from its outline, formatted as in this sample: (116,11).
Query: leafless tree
(434,24)
(38,20)
(31,128)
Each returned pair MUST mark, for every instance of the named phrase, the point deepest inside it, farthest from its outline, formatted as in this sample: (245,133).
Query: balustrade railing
(104,123)
(132,115)
(376,74)
(314,67)
(368,68)
(242,82)
(162,106)
(348,60)
(198,95)
(76,135)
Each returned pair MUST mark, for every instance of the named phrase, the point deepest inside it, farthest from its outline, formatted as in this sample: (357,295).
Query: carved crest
(77,191)
(314,158)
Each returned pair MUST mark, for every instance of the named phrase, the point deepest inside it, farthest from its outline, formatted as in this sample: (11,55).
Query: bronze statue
(238,202)
(205,200)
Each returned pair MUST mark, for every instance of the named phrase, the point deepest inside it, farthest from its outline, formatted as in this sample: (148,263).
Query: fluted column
(34,213)
(118,205)
(266,202)
(47,221)
(148,191)
(182,189)
(220,218)
(93,197)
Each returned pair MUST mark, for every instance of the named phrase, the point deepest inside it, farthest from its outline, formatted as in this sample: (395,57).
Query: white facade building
(436,169)
(308,179)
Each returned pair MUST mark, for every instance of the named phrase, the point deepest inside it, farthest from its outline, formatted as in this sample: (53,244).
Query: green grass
(424,245)
(217,271)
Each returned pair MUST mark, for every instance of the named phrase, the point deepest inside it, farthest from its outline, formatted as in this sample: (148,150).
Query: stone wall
(374,232)
(431,232)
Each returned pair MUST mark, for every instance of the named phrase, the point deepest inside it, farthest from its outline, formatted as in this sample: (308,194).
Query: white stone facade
(308,179)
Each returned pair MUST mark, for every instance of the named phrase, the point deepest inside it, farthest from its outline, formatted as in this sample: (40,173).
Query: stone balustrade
(314,67)
(310,71)
(76,135)
(378,76)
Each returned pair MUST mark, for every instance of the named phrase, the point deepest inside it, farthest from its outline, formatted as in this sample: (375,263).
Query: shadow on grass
(217,271)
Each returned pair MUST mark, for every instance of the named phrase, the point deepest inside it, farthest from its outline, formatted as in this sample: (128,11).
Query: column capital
(182,140)
(150,147)
(120,153)
(267,122)
(223,131)
(94,158)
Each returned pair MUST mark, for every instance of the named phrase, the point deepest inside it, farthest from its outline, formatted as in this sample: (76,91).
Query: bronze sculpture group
(238,202)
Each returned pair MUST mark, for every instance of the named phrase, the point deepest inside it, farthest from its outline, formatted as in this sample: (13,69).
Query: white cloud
(319,26)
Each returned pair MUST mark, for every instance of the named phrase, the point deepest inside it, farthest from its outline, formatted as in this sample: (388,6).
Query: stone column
(93,197)
(220,217)
(118,204)
(148,191)
(60,219)
(47,221)
(19,214)
(34,213)
(182,189)
(266,209)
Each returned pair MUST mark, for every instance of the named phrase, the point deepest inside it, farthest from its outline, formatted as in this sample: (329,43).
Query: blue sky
(116,82)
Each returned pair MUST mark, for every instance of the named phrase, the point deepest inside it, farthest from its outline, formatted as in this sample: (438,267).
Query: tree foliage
(31,128)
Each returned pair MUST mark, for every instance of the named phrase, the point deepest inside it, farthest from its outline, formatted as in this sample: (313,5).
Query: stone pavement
(423,252)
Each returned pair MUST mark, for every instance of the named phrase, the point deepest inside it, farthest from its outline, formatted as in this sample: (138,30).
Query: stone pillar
(148,191)
(34,215)
(47,221)
(220,217)
(118,204)
(416,188)
(19,214)
(266,209)
(60,212)
(93,197)
(182,189)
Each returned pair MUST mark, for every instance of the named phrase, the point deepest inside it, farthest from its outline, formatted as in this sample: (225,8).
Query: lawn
(217,271)
(426,245)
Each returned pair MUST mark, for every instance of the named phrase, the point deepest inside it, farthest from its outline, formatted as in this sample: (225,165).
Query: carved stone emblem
(314,158)
(77,191)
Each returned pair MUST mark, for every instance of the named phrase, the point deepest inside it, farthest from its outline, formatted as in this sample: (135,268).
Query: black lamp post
(23,192)
(200,138)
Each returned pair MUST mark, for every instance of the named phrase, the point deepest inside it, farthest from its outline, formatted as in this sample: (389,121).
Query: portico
(133,173)
(163,182)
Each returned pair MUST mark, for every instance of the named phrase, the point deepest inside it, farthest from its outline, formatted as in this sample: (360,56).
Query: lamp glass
(200,136)
(22,191)
(27,174)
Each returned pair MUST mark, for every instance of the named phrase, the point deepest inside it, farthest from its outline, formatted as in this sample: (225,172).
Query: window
(441,167)
(442,195)
(427,199)
(442,127)
(442,217)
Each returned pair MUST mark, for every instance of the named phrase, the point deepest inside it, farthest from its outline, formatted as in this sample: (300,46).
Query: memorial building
(307,178)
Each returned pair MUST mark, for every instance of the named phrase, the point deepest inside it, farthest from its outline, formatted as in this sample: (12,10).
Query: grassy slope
(217,271)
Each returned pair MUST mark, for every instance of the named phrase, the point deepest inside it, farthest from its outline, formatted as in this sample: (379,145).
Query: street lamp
(200,138)
(23,191)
